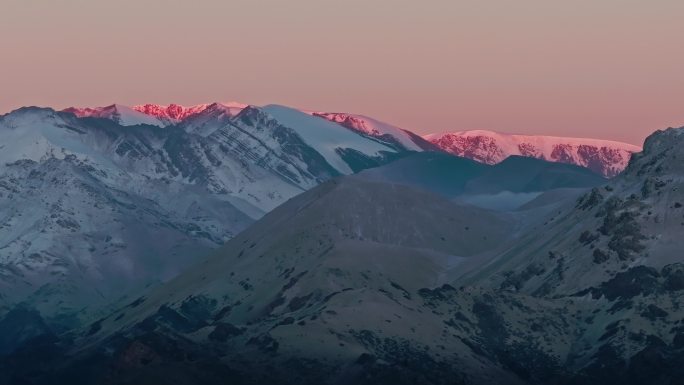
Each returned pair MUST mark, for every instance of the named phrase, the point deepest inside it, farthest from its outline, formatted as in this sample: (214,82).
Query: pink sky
(597,68)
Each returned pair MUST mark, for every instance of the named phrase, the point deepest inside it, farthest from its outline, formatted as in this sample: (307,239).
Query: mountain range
(82,197)
(84,189)
(604,157)
(242,244)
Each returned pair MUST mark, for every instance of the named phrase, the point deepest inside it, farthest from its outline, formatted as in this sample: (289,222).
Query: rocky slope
(616,253)
(633,220)
(372,127)
(324,287)
(604,157)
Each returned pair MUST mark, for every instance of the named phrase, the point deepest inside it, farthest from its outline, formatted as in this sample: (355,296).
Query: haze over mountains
(231,243)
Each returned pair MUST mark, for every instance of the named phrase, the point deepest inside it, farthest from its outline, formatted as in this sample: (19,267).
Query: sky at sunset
(609,69)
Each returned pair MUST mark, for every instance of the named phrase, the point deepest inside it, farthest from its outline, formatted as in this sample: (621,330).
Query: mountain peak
(174,112)
(661,154)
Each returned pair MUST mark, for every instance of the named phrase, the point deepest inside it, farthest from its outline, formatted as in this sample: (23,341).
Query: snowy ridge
(175,113)
(124,115)
(152,114)
(605,157)
(372,127)
(325,136)
(80,198)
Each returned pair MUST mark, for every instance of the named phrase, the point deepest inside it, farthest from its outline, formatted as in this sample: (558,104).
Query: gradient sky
(598,68)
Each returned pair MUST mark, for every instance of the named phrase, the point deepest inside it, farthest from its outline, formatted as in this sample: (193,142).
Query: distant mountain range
(605,157)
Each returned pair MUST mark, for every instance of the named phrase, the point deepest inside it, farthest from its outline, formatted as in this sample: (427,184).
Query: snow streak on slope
(606,157)
(326,137)
(372,127)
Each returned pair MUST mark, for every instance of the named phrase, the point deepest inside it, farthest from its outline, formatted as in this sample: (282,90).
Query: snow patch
(325,136)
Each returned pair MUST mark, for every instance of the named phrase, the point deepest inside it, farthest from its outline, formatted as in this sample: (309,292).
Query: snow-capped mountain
(605,157)
(175,113)
(153,114)
(83,192)
(124,115)
(384,131)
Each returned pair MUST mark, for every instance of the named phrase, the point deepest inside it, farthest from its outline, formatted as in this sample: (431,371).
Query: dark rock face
(19,326)
(640,280)
(224,331)
(674,277)
(656,363)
